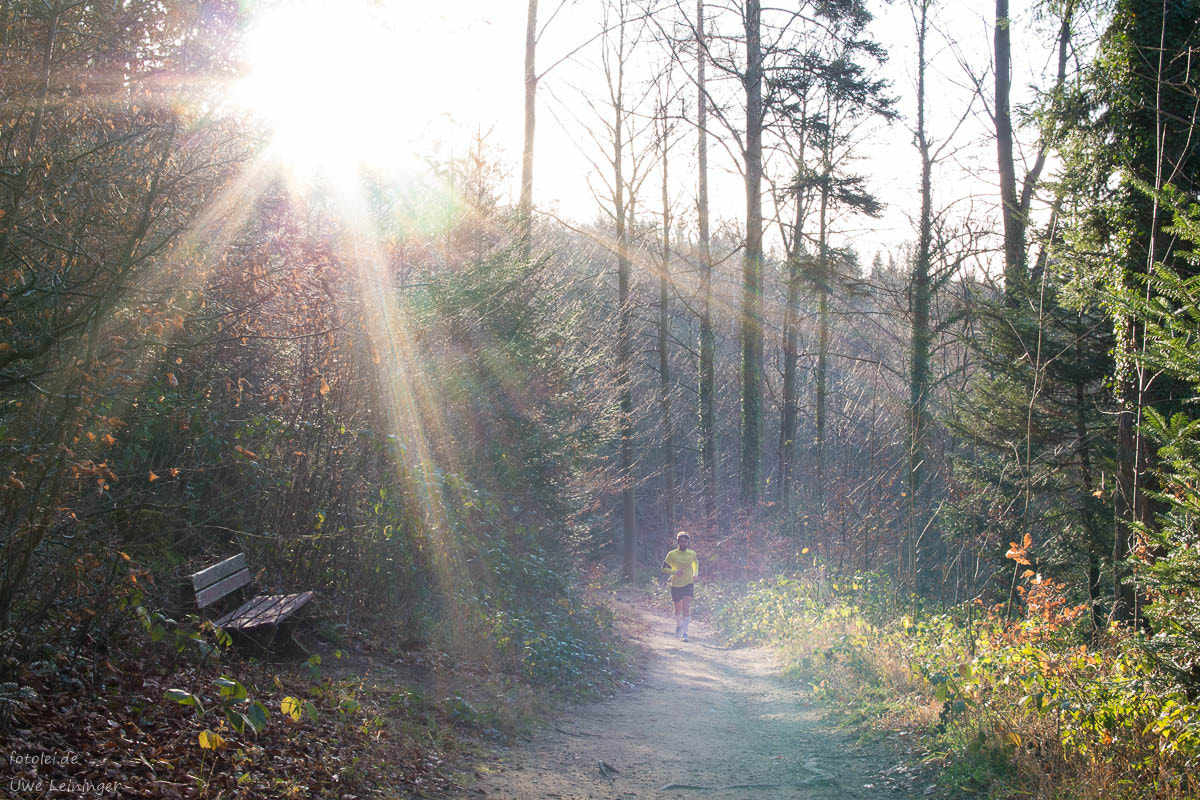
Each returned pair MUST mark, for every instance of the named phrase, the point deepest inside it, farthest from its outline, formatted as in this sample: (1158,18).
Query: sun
(331,80)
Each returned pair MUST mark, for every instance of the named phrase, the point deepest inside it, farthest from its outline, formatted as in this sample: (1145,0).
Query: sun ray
(412,414)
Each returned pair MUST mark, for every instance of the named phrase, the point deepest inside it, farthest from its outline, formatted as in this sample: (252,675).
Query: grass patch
(1031,708)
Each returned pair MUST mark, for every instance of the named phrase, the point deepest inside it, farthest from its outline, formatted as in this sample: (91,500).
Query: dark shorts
(680,592)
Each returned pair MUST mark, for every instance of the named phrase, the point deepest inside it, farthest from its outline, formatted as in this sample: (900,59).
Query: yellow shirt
(685,560)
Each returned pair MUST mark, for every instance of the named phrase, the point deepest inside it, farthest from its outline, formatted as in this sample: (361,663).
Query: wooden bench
(259,619)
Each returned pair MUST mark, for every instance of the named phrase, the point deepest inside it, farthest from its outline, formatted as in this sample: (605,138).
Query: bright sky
(419,83)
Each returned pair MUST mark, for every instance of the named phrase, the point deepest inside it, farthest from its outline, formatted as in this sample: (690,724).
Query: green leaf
(257,716)
(310,711)
(237,720)
(182,697)
(231,689)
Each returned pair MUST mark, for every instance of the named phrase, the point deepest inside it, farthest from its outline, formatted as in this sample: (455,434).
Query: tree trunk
(664,363)
(624,330)
(1014,219)
(526,204)
(921,339)
(707,389)
(1091,525)
(751,323)
(822,377)
(795,266)
(787,422)
(1129,501)
(1014,209)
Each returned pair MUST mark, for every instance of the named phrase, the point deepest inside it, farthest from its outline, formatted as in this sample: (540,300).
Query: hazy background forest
(899,298)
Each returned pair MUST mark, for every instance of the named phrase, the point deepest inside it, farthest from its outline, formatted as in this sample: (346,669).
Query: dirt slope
(706,723)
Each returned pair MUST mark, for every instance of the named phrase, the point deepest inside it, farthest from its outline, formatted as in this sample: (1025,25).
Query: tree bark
(525,209)
(1014,209)
(707,388)
(791,324)
(1011,213)
(624,322)
(664,363)
(920,288)
(751,323)
(787,422)
(1130,507)
(822,375)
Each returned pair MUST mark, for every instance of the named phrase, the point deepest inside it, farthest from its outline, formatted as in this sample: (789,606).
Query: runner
(684,568)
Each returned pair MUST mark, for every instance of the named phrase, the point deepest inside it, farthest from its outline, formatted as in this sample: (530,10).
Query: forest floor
(705,721)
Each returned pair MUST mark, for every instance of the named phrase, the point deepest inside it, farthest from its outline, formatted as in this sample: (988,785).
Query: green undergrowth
(1039,707)
(555,632)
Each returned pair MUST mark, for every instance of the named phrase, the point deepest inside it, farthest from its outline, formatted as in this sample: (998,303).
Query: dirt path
(706,723)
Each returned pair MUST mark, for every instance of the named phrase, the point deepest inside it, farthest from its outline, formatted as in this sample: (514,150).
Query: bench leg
(297,642)
(274,639)
(259,645)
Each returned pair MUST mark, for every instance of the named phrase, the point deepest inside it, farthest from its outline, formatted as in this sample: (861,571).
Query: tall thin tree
(789,413)
(707,377)
(752,261)
(664,330)
(920,290)
(525,209)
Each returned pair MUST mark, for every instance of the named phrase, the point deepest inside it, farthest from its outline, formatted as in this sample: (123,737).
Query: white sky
(463,70)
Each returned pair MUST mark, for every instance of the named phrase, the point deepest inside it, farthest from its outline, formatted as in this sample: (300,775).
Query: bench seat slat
(264,611)
(216,591)
(207,577)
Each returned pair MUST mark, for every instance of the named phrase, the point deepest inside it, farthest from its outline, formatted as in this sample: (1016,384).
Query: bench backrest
(220,580)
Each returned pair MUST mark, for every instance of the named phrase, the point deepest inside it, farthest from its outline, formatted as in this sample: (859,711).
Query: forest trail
(704,723)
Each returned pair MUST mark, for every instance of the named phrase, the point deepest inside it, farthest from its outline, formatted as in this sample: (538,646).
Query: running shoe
(685,637)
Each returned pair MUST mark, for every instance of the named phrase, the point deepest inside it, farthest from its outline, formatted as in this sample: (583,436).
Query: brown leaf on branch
(1018,553)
